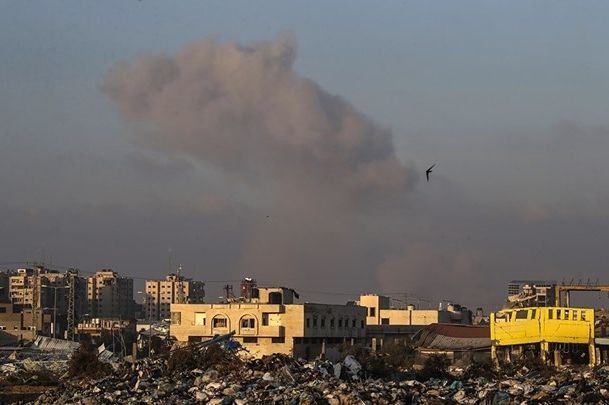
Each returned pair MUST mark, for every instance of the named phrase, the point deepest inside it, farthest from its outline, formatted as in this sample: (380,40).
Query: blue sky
(510,98)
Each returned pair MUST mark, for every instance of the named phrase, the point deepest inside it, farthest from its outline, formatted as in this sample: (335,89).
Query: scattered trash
(215,373)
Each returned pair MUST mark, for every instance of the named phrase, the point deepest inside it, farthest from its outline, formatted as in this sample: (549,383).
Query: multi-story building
(35,289)
(273,323)
(18,323)
(110,295)
(383,322)
(160,294)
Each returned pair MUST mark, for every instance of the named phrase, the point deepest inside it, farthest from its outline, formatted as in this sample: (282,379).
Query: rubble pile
(215,375)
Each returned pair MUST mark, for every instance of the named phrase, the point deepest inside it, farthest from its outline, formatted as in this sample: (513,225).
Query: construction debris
(214,374)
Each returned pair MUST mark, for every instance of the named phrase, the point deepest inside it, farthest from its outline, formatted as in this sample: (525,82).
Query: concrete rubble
(215,375)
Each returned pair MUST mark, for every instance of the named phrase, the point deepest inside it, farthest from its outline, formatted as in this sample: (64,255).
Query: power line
(306,291)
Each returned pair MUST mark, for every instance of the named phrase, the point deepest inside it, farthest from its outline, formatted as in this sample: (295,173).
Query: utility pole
(35,302)
(71,310)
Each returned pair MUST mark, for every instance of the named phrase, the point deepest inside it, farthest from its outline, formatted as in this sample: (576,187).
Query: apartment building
(110,295)
(18,323)
(160,294)
(273,323)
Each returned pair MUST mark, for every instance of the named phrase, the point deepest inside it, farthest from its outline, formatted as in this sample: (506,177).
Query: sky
(288,141)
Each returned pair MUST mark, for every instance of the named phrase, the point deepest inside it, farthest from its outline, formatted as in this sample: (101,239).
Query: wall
(276,328)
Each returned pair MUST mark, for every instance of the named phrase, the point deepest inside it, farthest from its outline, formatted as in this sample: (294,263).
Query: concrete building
(17,323)
(42,290)
(385,323)
(273,323)
(110,295)
(531,293)
(380,312)
(97,326)
(160,294)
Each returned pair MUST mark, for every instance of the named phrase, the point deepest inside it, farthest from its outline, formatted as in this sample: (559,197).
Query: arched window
(248,322)
(220,322)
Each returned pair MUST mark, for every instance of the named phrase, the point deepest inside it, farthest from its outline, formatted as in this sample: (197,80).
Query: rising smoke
(245,111)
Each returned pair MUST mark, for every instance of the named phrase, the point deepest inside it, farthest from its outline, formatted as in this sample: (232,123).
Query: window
(521,314)
(583,315)
(575,315)
(200,318)
(315,322)
(220,322)
(384,321)
(353,323)
(533,313)
(278,340)
(331,322)
(346,322)
(176,318)
(340,323)
(248,323)
(250,339)
(194,339)
(550,314)
(265,319)
(372,311)
(558,314)
(362,324)
(2,310)
(567,314)
(323,322)
(308,323)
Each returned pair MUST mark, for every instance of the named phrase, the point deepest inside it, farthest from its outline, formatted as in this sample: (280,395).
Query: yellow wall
(543,324)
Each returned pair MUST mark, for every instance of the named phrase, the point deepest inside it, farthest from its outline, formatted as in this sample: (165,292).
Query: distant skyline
(509,99)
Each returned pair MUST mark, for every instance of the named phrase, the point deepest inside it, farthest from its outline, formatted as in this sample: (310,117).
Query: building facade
(40,289)
(531,293)
(386,324)
(273,324)
(160,294)
(110,296)
(18,323)
(558,334)
(380,312)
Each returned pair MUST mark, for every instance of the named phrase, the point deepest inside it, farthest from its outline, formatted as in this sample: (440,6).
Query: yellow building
(567,334)
(273,324)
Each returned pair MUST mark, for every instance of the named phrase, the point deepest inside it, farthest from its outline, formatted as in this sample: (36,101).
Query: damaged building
(561,335)
(272,322)
(462,344)
(385,323)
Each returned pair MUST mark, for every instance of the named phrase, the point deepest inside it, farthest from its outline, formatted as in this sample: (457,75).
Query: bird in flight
(428,171)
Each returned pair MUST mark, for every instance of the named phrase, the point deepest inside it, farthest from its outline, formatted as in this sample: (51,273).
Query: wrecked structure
(531,293)
(557,334)
(461,344)
(272,322)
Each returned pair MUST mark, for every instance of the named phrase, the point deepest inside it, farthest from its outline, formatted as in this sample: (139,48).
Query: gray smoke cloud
(245,110)
(329,175)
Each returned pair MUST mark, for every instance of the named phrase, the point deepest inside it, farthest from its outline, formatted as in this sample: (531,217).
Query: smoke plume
(245,110)
(329,170)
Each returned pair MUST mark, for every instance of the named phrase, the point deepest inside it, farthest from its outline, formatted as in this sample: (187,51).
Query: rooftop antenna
(180,285)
